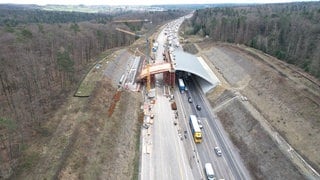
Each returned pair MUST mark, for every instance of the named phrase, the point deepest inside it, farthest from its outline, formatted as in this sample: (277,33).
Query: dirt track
(279,94)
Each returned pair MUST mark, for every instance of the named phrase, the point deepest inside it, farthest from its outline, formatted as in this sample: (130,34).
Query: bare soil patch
(105,148)
(262,156)
(285,96)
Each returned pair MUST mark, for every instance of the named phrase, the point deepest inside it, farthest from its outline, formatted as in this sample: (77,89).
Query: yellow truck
(195,129)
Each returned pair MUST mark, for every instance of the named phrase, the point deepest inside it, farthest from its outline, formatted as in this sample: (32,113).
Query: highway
(167,158)
(169,150)
(229,165)
(174,154)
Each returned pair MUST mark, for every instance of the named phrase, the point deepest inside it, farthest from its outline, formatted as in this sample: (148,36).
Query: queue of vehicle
(195,123)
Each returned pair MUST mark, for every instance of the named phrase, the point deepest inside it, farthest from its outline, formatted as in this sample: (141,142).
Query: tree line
(288,31)
(41,62)
(13,17)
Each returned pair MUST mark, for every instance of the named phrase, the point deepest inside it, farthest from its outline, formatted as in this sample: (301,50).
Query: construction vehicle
(173,106)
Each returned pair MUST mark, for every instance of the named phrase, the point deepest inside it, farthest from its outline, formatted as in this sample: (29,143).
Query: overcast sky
(138,2)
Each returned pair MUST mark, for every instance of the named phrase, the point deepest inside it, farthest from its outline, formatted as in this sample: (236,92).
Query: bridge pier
(169,78)
(152,80)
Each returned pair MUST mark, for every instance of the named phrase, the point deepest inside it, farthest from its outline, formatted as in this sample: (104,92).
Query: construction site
(267,110)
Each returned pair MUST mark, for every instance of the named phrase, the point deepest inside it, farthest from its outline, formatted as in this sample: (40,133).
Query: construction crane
(138,51)
(146,55)
(128,32)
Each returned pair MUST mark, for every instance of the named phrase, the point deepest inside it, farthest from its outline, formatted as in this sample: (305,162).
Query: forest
(291,31)
(43,57)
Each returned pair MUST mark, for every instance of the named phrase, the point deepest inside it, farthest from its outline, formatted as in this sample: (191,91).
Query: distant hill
(199,6)
(113,9)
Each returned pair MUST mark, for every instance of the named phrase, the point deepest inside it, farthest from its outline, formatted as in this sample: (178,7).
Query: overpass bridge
(180,65)
(156,69)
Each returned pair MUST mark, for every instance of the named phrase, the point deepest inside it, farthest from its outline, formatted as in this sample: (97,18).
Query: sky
(137,2)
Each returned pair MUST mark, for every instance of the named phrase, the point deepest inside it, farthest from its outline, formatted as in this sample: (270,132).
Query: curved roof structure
(197,66)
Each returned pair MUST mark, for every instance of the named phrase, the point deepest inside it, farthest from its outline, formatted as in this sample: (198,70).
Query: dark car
(198,107)
(189,100)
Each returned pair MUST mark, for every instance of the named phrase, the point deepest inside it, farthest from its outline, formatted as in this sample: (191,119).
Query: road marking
(180,170)
(185,119)
(210,145)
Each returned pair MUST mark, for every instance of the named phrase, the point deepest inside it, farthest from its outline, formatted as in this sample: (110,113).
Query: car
(200,124)
(198,107)
(189,100)
(218,151)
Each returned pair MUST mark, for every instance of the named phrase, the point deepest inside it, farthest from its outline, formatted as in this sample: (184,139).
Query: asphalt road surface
(166,157)
(229,165)
(172,152)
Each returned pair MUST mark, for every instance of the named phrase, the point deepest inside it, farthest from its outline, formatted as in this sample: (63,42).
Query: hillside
(43,60)
(270,110)
(288,31)
(278,99)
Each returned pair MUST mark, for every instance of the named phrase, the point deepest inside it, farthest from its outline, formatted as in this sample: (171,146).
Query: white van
(209,171)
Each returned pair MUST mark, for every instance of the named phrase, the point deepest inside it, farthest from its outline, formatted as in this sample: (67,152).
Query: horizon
(144,3)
